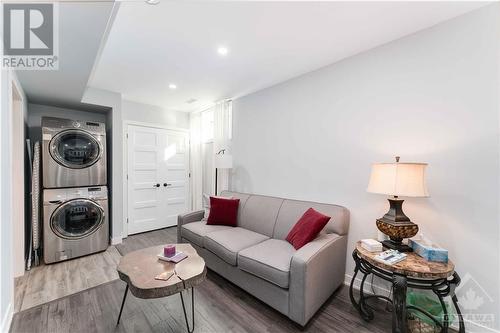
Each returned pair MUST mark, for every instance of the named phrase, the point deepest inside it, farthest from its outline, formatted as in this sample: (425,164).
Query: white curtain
(211,131)
(196,161)
(222,138)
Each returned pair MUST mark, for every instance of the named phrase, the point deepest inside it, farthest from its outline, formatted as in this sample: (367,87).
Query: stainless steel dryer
(73,153)
(75,222)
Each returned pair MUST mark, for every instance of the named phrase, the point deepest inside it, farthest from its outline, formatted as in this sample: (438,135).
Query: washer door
(75,149)
(76,219)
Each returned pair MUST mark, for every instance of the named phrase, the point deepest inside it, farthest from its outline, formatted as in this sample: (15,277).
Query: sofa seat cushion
(227,243)
(269,260)
(196,231)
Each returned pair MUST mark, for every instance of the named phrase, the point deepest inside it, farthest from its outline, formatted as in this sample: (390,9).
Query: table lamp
(222,161)
(398,179)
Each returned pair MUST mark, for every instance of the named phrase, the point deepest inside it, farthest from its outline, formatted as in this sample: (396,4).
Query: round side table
(413,272)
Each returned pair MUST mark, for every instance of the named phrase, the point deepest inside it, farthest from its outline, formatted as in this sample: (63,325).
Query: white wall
(139,112)
(9,267)
(430,97)
(114,101)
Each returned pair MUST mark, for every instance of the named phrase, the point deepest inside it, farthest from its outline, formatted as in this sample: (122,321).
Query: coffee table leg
(192,309)
(123,303)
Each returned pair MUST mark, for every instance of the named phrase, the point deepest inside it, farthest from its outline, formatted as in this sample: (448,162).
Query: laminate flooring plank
(220,306)
(46,283)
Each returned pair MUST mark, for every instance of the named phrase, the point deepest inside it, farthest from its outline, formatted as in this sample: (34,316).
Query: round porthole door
(76,219)
(75,149)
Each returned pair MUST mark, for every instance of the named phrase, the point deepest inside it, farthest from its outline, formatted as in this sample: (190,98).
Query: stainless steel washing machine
(75,222)
(73,153)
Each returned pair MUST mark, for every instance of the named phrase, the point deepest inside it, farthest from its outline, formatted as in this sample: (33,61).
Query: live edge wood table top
(412,266)
(139,268)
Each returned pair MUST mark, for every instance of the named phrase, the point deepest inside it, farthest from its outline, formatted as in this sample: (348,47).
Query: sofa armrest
(316,271)
(188,218)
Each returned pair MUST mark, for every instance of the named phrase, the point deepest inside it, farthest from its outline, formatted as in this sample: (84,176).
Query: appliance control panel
(57,196)
(54,125)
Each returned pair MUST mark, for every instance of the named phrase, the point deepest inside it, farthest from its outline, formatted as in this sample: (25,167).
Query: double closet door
(158,177)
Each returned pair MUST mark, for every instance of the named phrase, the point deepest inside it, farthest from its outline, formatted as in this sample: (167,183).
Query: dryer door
(75,149)
(76,219)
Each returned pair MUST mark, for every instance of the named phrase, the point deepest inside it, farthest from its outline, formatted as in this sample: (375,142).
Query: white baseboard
(7,319)
(368,285)
(470,326)
(116,240)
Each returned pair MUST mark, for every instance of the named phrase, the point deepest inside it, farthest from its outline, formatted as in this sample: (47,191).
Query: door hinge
(127,176)
(127,220)
(127,135)
(189,175)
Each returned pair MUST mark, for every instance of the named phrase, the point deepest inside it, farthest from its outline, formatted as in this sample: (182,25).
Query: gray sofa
(255,255)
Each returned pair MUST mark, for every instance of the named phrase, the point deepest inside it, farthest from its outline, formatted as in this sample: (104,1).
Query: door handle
(167,184)
(156,185)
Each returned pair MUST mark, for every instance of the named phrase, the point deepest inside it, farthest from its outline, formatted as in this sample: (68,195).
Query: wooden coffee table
(139,269)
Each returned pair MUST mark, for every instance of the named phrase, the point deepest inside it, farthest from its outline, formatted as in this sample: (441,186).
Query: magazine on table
(390,257)
(179,256)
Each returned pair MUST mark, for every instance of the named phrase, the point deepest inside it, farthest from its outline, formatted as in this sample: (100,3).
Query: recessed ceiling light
(172,86)
(152,2)
(222,50)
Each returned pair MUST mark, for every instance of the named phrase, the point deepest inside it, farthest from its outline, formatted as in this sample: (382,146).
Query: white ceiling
(81,28)
(151,46)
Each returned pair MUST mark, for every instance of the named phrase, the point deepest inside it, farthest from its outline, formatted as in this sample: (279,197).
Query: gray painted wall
(430,97)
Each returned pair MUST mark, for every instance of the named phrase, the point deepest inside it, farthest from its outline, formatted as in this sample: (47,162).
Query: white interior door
(158,177)
(175,175)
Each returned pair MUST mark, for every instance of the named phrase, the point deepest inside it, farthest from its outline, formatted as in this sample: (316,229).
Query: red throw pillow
(223,211)
(307,228)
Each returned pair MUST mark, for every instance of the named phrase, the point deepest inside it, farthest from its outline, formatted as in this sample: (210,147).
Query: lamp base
(394,245)
(397,226)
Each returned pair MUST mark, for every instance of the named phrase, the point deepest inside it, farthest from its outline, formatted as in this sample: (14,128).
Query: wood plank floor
(220,307)
(49,282)
(147,239)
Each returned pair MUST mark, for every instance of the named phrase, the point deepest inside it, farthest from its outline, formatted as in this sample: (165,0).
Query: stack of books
(371,245)
(390,257)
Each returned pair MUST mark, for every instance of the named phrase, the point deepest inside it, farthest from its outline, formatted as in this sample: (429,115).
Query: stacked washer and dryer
(75,196)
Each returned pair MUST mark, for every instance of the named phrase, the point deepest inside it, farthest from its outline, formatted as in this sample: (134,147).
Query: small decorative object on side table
(144,275)
(398,179)
(413,272)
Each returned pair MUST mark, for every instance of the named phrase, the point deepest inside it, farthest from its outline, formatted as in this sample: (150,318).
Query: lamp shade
(223,161)
(398,179)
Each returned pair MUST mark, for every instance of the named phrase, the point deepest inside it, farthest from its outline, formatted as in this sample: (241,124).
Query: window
(207,125)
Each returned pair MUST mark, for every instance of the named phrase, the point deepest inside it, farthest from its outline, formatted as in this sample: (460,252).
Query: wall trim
(7,319)
(154,125)
(116,240)
(470,326)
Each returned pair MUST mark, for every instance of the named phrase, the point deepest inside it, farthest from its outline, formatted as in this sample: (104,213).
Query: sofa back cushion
(292,210)
(275,217)
(235,195)
(258,213)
